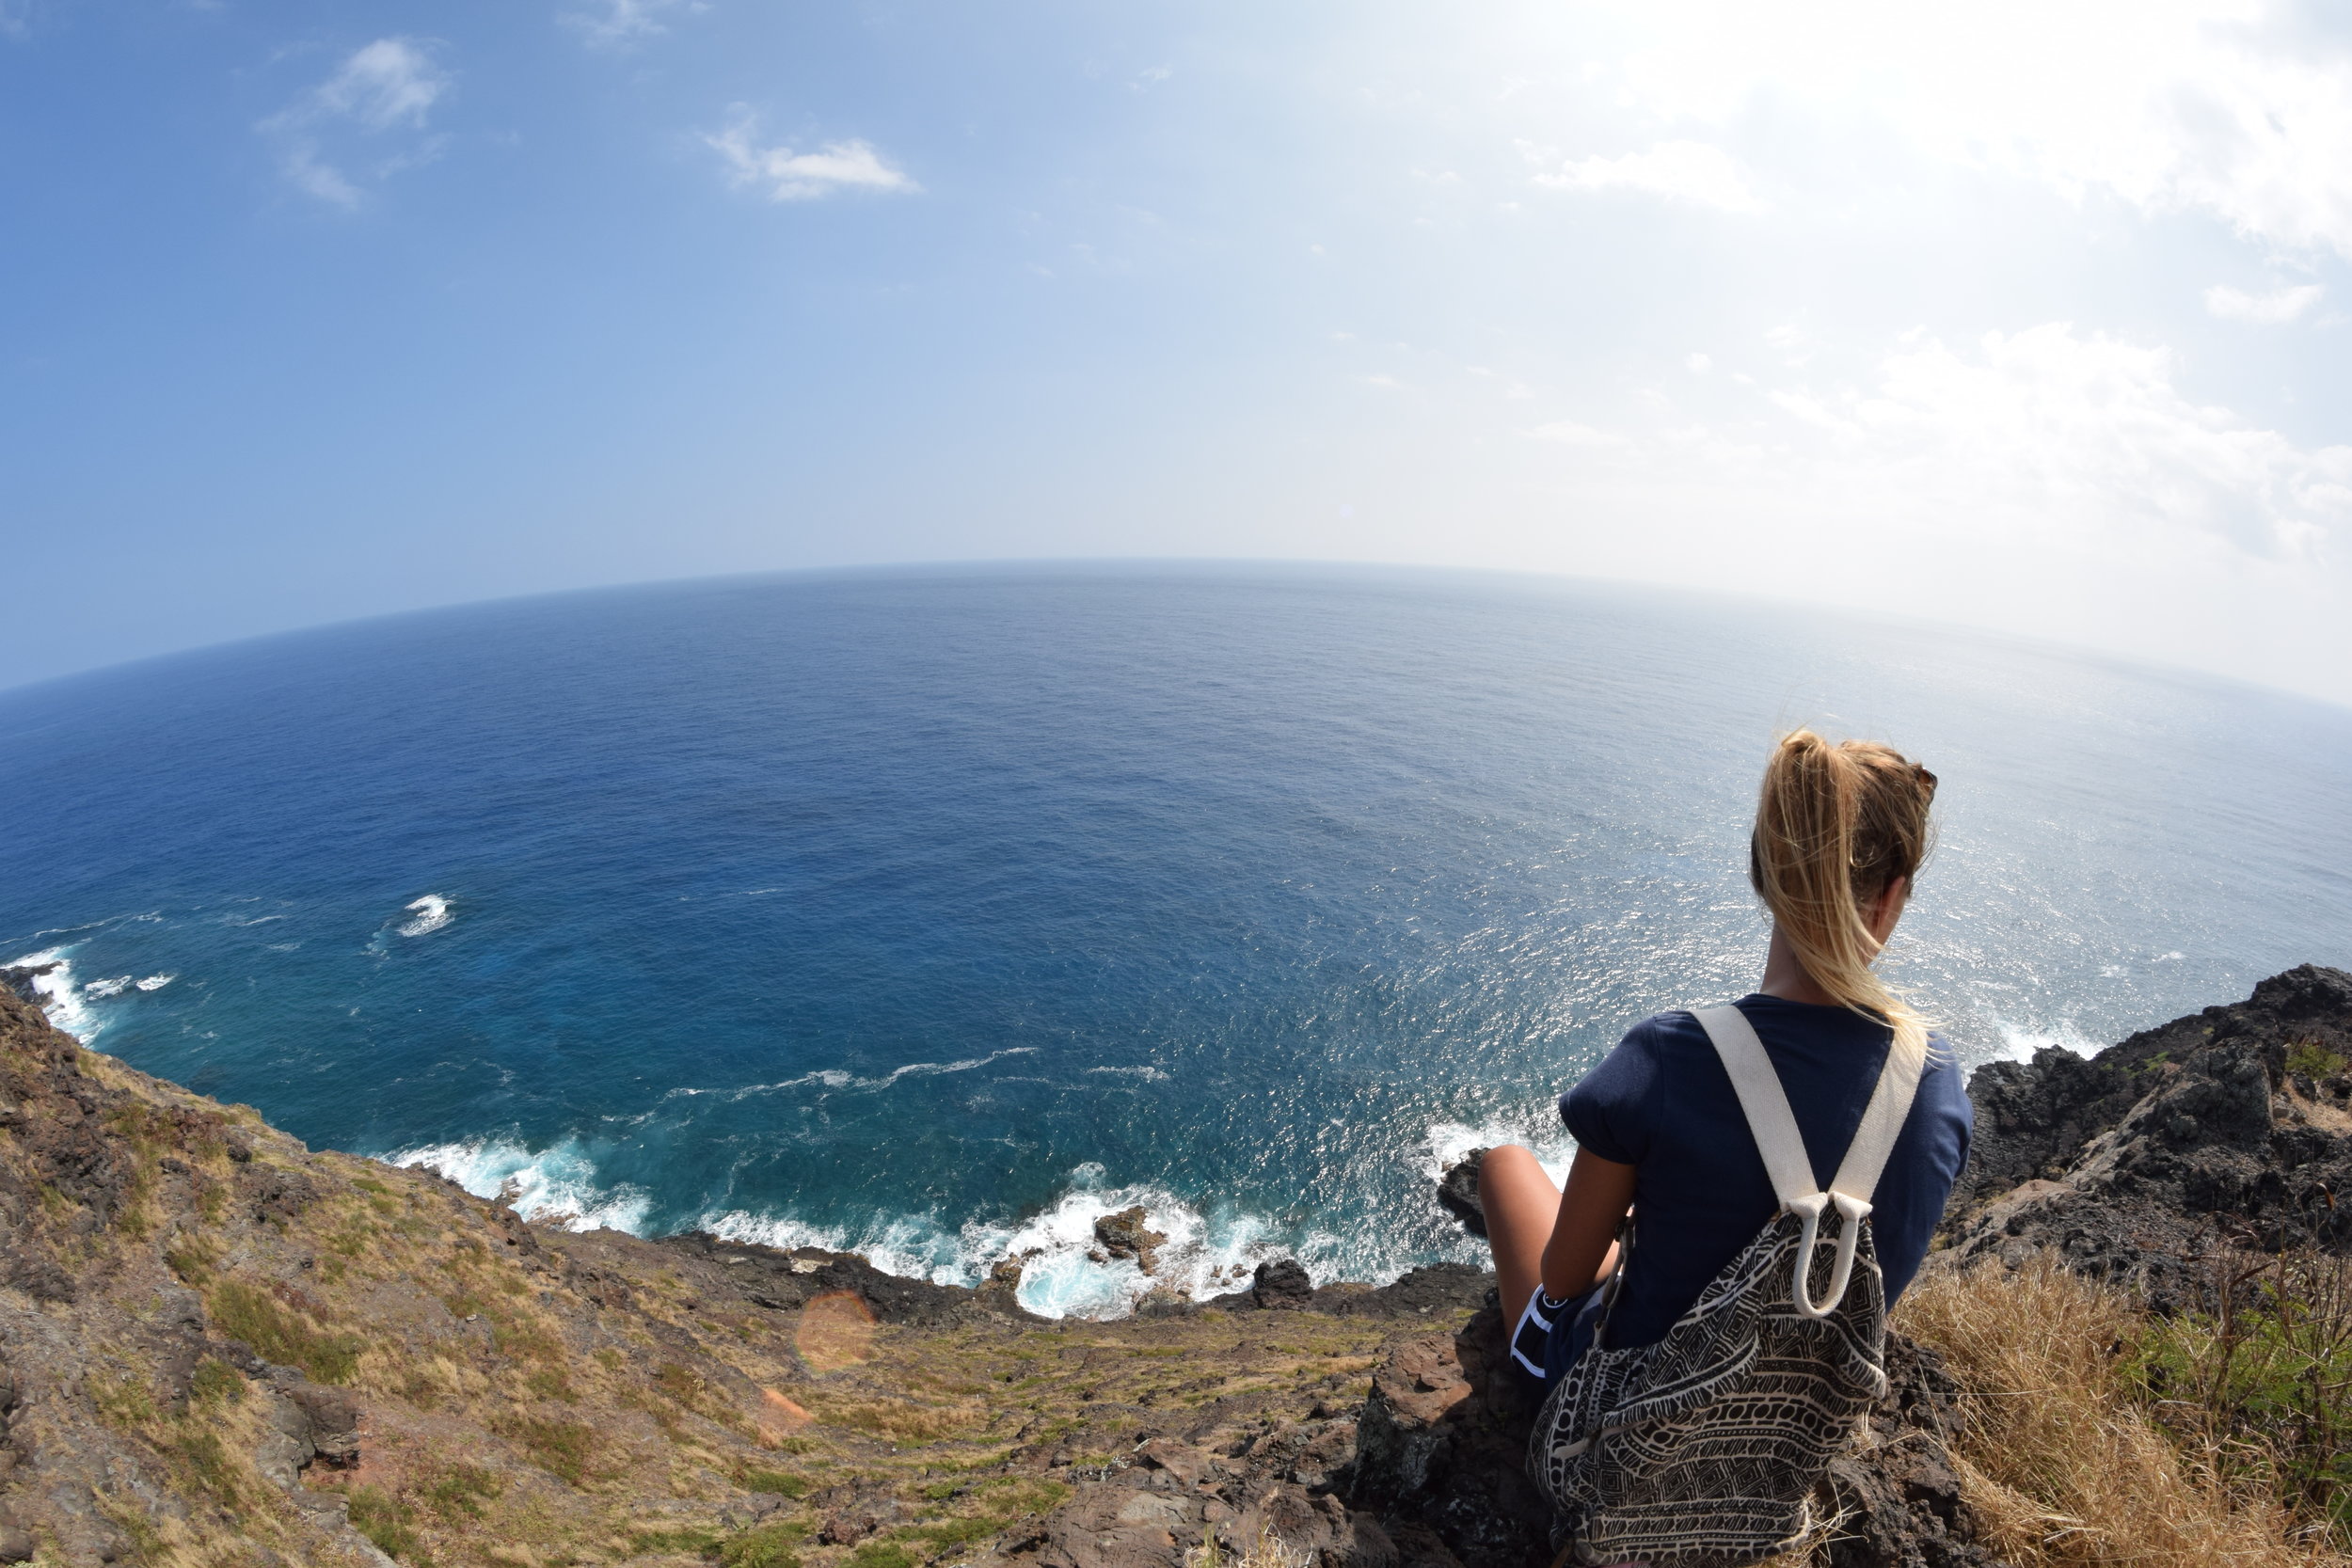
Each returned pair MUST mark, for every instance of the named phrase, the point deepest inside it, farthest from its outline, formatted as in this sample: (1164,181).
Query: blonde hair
(1835,826)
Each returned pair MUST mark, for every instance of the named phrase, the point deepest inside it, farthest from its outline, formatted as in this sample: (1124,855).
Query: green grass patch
(245,1312)
(646,1542)
(871,1554)
(562,1448)
(682,1384)
(390,1522)
(121,1401)
(462,1490)
(766,1546)
(217,1383)
(207,1460)
(781,1481)
(193,1258)
(549,1383)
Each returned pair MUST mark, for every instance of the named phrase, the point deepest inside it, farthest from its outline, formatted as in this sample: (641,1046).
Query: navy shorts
(1551,1335)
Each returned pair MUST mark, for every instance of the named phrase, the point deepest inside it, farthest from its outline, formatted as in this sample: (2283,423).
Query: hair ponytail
(1835,826)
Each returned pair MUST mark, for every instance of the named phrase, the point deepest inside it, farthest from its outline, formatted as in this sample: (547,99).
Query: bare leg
(1525,1213)
(1521,1204)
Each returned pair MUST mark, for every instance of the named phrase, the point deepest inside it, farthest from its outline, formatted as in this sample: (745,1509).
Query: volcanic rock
(1123,1235)
(1457,1192)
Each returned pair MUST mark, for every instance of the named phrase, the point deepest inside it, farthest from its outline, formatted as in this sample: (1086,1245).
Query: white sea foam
(59,998)
(912,1246)
(2019,1041)
(157,982)
(1448,1141)
(1064,1271)
(557,1185)
(111,986)
(837,1078)
(432,913)
(1149,1074)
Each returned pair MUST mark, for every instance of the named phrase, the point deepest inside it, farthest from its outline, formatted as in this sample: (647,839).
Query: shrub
(2056,1455)
(2312,1059)
(2263,1386)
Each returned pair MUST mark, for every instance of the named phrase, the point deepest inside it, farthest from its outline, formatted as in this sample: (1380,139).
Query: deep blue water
(935,914)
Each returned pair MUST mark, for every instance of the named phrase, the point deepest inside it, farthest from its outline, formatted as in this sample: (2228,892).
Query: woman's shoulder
(1675,1026)
(1944,1083)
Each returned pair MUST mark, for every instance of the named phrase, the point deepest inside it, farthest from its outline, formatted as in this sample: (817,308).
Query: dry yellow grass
(2058,1457)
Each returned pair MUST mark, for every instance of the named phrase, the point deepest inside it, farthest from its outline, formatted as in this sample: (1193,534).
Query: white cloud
(1567,433)
(619,24)
(1682,171)
(384,88)
(2267,309)
(791,176)
(2226,107)
(2050,482)
(388,83)
(2027,443)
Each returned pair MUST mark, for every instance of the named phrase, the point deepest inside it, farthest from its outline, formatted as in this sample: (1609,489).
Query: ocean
(935,914)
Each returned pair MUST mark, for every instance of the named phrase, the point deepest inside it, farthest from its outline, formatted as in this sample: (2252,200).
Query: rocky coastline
(219,1347)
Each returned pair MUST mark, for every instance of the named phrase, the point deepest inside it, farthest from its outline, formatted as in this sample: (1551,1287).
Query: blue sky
(2028,317)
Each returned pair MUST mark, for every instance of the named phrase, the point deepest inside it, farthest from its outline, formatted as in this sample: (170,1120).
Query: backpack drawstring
(1852,1212)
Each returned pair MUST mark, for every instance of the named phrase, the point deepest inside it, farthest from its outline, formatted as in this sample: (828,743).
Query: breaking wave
(432,913)
(65,1004)
(558,1185)
(1066,1271)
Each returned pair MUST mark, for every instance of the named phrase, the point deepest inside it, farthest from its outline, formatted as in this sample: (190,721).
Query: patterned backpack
(1704,1449)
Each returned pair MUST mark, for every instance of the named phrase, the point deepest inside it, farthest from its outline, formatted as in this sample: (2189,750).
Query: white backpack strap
(1882,1121)
(1765,1102)
(1773,1127)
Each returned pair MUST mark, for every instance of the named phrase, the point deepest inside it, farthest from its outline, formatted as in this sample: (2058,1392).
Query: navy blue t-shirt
(1662,1102)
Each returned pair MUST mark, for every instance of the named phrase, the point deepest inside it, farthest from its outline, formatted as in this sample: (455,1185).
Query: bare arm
(1581,1250)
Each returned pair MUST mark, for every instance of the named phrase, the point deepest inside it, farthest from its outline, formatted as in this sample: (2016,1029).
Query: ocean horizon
(934,913)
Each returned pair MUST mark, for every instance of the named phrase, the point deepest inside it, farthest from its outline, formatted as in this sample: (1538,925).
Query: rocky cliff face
(2231,1128)
(217,1347)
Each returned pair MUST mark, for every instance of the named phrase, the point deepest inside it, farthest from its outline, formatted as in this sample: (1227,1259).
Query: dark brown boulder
(1457,1192)
(1124,1235)
(1282,1284)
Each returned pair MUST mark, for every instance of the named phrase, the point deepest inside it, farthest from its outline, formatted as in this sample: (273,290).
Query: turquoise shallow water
(936,913)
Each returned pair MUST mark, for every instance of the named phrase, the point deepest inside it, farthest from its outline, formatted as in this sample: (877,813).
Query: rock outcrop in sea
(219,1347)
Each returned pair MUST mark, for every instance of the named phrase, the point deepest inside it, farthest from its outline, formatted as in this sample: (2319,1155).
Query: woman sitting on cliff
(1840,831)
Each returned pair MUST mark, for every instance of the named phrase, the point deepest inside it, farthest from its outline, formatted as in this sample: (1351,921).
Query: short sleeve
(1612,1111)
